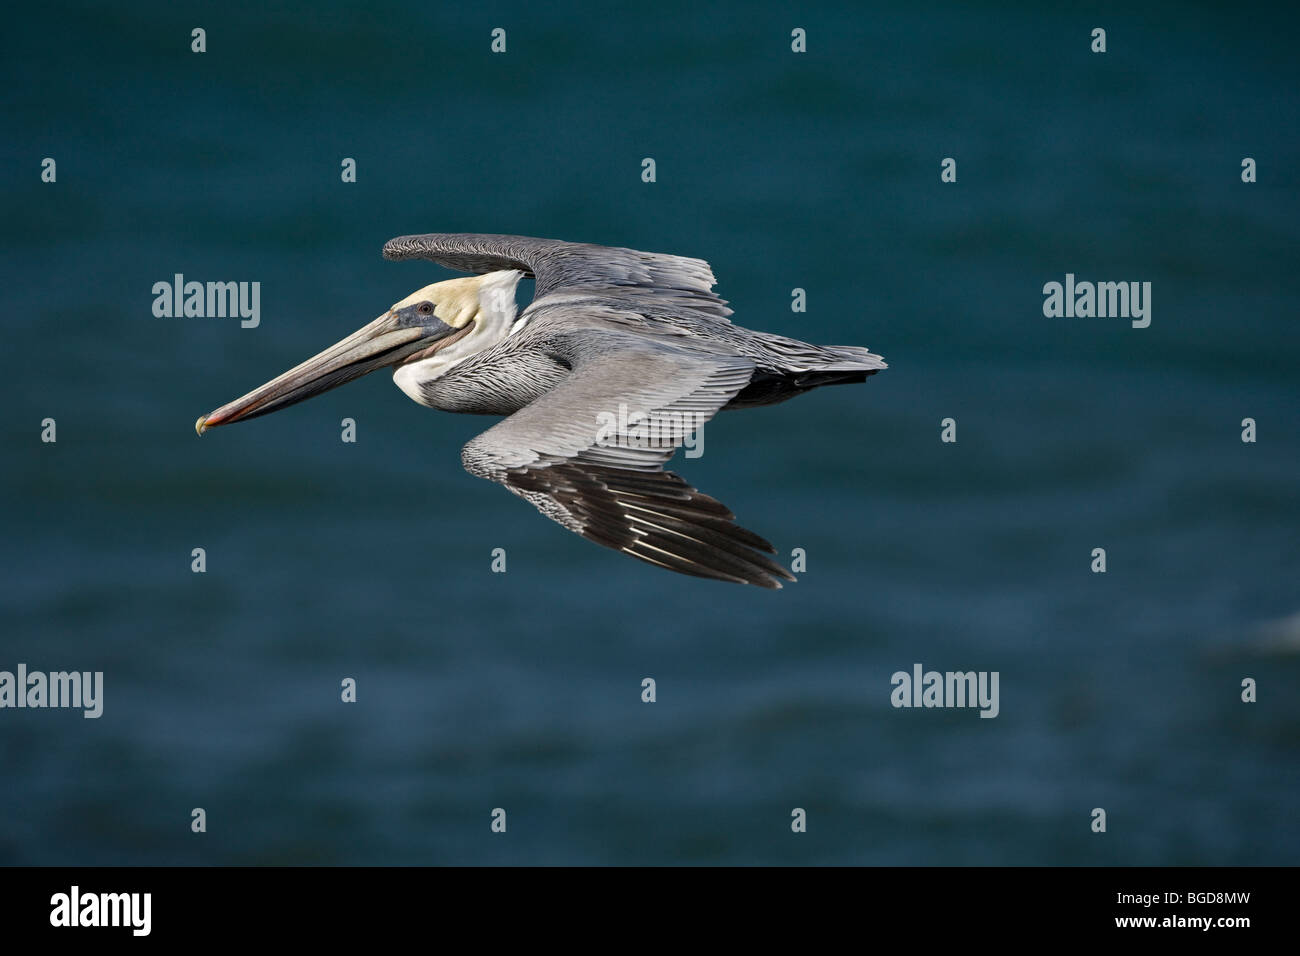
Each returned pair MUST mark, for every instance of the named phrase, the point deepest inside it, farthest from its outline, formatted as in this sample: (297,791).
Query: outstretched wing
(560,265)
(590,454)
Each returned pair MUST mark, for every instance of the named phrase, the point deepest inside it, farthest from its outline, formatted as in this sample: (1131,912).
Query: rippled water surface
(477,690)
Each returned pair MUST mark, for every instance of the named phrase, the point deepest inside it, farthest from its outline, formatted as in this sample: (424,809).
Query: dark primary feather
(613,490)
(658,518)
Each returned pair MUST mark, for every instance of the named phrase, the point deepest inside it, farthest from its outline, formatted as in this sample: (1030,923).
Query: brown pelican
(621,356)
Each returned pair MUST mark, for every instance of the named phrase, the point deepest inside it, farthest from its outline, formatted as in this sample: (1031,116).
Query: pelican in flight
(621,356)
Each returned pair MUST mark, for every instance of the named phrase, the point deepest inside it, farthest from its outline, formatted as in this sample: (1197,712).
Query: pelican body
(618,359)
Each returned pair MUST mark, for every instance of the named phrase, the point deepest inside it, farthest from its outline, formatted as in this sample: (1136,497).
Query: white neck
(492,323)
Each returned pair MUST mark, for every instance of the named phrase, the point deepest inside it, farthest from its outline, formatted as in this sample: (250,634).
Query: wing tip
(399,247)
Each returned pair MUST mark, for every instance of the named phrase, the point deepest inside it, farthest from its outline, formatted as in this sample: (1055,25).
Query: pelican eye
(424,308)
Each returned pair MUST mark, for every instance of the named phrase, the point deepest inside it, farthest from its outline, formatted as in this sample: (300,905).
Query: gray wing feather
(590,453)
(558,265)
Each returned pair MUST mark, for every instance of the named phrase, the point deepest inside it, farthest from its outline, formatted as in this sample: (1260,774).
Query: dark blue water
(521,690)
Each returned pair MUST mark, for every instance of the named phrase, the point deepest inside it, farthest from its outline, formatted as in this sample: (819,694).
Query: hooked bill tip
(201,425)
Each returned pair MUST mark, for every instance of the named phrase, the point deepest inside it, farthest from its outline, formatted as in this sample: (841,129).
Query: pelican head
(414,330)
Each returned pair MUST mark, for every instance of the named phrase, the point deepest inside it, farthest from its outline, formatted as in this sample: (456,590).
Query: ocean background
(521,690)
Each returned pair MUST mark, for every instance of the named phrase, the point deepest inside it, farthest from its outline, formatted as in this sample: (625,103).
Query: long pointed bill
(382,343)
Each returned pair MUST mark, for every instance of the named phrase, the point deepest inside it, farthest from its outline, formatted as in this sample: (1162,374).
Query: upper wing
(558,265)
(589,454)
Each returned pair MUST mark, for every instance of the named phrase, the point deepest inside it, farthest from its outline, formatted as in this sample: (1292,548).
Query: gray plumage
(620,357)
(611,327)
